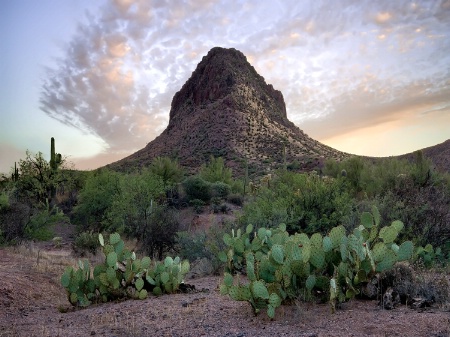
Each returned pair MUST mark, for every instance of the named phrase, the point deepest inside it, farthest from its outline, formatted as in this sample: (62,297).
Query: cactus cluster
(280,266)
(429,256)
(122,275)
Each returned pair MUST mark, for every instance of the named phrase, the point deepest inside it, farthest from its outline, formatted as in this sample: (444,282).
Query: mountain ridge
(227,109)
(439,155)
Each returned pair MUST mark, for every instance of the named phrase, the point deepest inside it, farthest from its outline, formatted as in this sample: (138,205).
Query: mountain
(439,155)
(227,109)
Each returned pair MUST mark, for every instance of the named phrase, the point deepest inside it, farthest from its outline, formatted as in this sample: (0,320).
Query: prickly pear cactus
(122,275)
(280,266)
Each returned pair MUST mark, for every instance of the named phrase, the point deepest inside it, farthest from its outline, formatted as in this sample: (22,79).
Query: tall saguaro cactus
(15,175)
(55,158)
(55,161)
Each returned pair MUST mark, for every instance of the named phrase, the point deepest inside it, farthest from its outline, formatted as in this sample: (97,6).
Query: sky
(365,77)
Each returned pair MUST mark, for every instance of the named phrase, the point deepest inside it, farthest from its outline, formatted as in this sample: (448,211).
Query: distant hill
(439,155)
(227,109)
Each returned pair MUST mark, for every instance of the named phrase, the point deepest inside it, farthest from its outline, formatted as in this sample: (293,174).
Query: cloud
(346,64)
(370,106)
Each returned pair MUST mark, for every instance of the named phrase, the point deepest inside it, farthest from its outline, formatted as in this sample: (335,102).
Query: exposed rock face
(226,109)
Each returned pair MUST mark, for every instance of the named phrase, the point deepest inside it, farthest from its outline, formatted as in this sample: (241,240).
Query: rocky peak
(227,109)
(225,75)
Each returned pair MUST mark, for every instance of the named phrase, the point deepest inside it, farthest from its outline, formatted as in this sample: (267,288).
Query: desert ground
(33,303)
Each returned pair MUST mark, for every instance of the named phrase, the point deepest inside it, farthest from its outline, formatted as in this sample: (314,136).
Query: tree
(132,207)
(216,171)
(96,199)
(36,181)
(31,208)
(169,170)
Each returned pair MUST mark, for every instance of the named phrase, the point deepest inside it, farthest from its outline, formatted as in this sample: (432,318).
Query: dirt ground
(32,301)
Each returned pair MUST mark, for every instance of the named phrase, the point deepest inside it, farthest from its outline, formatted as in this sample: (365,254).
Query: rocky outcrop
(227,109)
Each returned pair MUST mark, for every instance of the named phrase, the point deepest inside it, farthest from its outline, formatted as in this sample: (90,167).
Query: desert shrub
(96,199)
(412,283)
(266,210)
(224,208)
(4,201)
(216,208)
(13,220)
(214,243)
(236,199)
(133,206)
(216,201)
(215,171)
(160,233)
(371,178)
(293,166)
(191,246)
(353,168)
(220,190)
(424,211)
(305,202)
(237,186)
(197,188)
(19,220)
(39,225)
(199,245)
(198,205)
(38,182)
(85,242)
(168,170)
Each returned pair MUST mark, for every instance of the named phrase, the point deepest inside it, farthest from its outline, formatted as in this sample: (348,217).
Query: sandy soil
(31,301)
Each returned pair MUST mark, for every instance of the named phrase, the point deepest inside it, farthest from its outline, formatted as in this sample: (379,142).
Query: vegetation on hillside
(145,205)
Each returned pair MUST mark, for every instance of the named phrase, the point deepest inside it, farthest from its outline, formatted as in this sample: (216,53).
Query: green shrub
(168,170)
(224,208)
(220,190)
(216,201)
(209,244)
(214,243)
(39,226)
(198,205)
(85,242)
(4,201)
(96,199)
(236,199)
(197,188)
(305,202)
(131,208)
(216,171)
(13,221)
(191,246)
(425,212)
(159,236)
(237,186)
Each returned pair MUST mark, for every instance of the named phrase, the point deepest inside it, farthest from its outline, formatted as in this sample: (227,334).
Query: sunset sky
(365,77)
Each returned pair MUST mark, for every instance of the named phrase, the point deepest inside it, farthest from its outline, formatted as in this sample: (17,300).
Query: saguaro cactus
(55,158)
(55,161)
(15,175)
